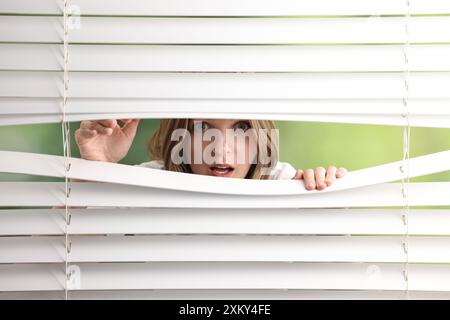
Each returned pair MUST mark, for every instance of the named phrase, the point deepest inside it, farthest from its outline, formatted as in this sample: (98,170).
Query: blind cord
(404,168)
(65,125)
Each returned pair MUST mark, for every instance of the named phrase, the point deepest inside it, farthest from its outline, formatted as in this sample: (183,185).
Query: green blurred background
(303,144)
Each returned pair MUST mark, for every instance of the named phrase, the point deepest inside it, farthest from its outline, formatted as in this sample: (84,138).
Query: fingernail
(321,186)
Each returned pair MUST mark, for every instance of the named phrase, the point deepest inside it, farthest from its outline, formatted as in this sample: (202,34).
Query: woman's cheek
(200,169)
(241,171)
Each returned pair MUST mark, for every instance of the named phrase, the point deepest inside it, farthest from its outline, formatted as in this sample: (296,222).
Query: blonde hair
(160,146)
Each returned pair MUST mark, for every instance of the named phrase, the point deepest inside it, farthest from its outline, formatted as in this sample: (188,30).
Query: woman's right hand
(106,140)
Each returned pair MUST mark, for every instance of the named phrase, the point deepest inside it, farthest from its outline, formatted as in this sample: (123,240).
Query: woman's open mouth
(221,170)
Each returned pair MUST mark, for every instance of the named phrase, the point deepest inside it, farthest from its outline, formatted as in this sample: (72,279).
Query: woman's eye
(244,126)
(200,126)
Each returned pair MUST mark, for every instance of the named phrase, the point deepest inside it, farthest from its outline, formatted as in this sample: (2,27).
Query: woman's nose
(226,150)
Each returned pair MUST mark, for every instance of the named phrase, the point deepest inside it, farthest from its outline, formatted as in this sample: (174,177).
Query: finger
(320,178)
(341,172)
(331,175)
(308,176)
(108,123)
(85,133)
(299,174)
(130,128)
(85,124)
(95,125)
(100,129)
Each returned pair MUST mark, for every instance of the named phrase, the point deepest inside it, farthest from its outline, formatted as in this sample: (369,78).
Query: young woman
(244,149)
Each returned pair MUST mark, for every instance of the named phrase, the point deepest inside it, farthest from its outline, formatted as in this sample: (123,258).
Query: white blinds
(296,61)
(164,235)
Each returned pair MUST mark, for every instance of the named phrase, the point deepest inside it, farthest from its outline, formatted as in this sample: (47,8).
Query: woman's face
(222,148)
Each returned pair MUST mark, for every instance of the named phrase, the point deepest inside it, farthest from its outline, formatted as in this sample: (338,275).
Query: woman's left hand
(319,178)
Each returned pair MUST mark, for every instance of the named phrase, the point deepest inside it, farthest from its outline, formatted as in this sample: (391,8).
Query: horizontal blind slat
(346,107)
(32,222)
(34,295)
(32,277)
(423,112)
(363,30)
(415,120)
(276,275)
(431,85)
(32,250)
(227,294)
(259,294)
(209,8)
(53,166)
(224,221)
(110,276)
(205,58)
(311,276)
(205,248)
(229,8)
(108,195)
